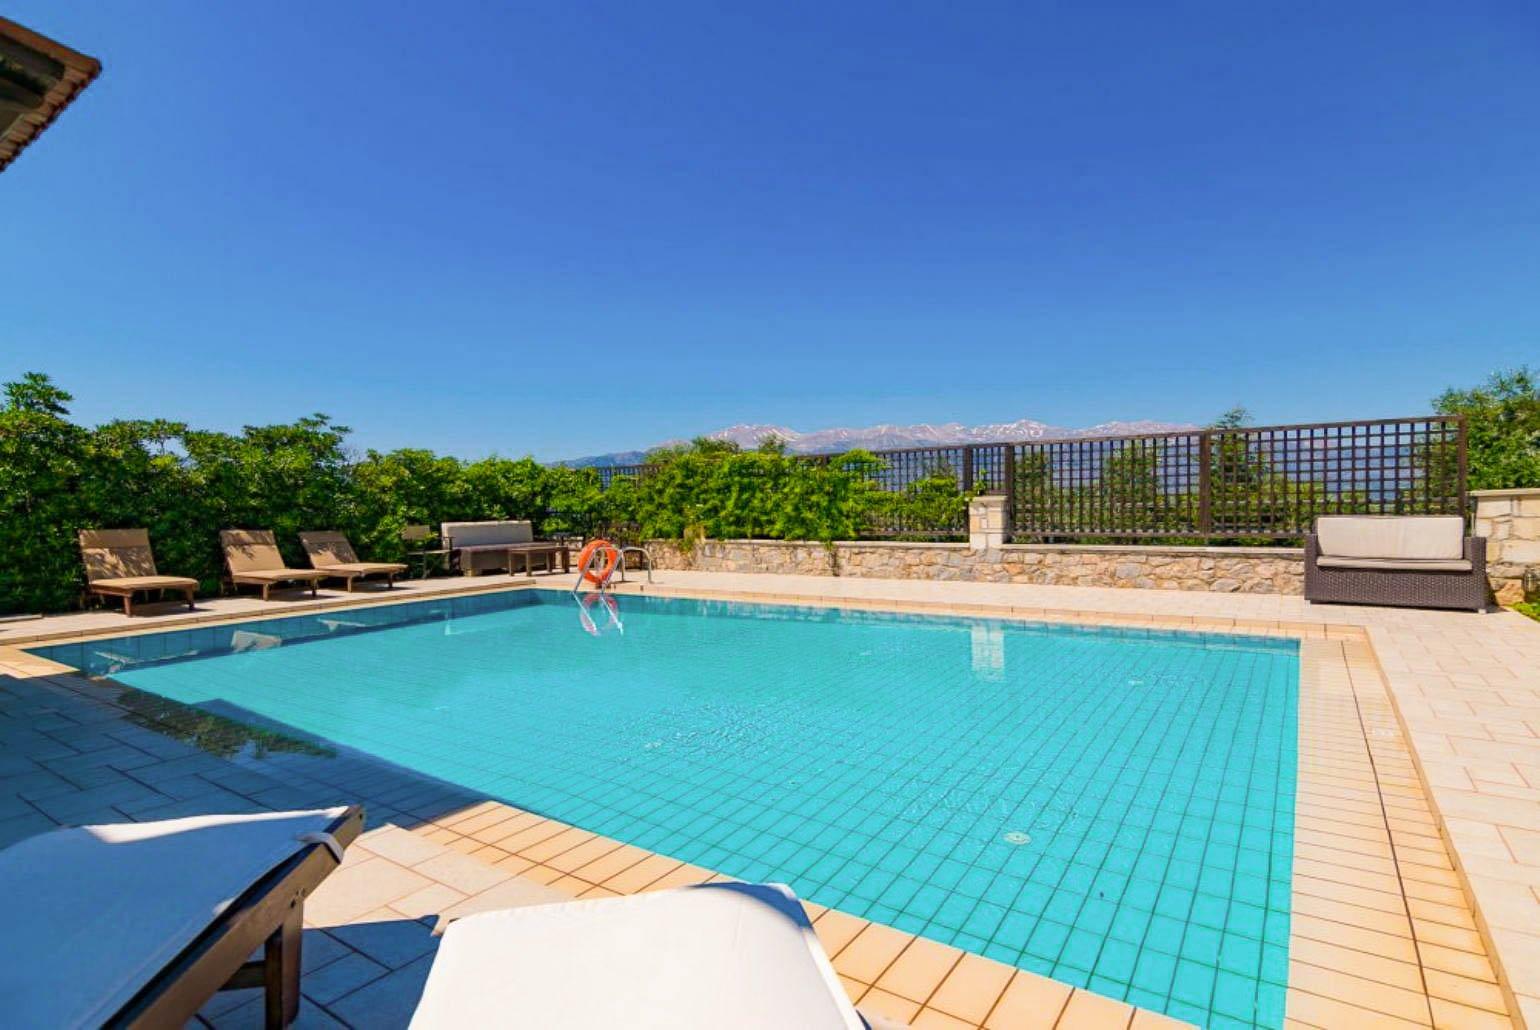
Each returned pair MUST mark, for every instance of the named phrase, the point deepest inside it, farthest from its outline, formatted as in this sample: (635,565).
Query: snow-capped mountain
(883,437)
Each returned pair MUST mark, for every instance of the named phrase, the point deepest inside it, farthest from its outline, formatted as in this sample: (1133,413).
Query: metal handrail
(641,551)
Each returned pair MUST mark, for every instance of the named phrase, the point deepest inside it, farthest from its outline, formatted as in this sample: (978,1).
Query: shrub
(1503,420)
(185,485)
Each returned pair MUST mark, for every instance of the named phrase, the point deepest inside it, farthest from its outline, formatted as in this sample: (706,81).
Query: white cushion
(96,912)
(717,955)
(478,534)
(1406,537)
(1396,564)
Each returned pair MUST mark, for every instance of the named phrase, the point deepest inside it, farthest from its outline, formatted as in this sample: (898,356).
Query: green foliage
(1503,426)
(1529,608)
(929,504)
(714,489)
(184,485)
(35,392)
(1236,418)
(42,458)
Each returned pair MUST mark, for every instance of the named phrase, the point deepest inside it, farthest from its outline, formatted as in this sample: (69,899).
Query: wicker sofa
(1420,561)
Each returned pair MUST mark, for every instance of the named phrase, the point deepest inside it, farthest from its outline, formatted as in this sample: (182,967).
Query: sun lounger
(119,563)
(333,554)
(722,954)
(253,559)
(141,923)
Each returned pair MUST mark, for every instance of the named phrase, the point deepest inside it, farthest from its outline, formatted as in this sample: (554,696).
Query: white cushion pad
(1326,561)
(480,534)
(94,913)
(718,955)
(1405,537)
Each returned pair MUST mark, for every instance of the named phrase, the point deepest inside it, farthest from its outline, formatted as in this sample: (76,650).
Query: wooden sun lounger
(252,557)
(140,924)
(119,563)
(333,554)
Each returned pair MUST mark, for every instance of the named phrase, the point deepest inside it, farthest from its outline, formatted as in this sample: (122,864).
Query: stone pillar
(1510,520)
(986,522)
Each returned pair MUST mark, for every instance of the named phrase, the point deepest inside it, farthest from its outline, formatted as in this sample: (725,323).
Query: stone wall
(1510,520)
(1255,570)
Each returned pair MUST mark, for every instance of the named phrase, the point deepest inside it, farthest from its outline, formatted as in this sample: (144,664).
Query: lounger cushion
(97,912)
(146,583)
(719,955)
(1395,565)
(1403,537)
(363,568)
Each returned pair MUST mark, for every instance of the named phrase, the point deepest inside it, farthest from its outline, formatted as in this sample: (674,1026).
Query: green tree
(42,456)
(1503,428)
(1235,418)
(1129,493)
(928,505)
(35,392)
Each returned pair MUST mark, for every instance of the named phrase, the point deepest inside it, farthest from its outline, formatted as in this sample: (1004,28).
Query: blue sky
(428,220)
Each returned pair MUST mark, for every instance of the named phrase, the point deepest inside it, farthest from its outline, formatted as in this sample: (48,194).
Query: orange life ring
(611,558)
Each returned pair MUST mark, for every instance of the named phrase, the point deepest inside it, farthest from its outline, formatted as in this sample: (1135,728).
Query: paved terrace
(1384,931)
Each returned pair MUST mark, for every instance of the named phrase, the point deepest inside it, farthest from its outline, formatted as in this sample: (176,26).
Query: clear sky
(565,228)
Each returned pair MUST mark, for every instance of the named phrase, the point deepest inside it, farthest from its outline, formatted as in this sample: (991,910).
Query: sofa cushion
(1400,537)
(480,534)
(1326,561)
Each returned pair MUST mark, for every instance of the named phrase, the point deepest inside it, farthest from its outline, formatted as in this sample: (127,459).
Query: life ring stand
(611,555)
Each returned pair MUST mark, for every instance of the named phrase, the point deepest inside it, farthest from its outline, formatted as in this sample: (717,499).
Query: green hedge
(184,485)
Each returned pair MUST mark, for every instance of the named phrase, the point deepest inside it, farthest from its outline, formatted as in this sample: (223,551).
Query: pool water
(1111,808)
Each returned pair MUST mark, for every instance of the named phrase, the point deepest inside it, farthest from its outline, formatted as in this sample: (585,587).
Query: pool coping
(1358,668)
(170,622)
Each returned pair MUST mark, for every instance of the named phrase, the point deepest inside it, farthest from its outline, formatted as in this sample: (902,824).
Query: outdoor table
(547,550)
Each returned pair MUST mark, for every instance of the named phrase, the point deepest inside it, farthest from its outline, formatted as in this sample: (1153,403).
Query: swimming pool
(1112,808)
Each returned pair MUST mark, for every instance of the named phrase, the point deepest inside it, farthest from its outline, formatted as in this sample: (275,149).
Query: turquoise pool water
(1110,808)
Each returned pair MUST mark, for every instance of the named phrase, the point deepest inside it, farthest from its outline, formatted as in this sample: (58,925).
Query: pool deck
(1417,855)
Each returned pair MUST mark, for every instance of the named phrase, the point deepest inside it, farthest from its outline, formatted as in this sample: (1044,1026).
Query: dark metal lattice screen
(1267,482)
(608,473)
(1207,484)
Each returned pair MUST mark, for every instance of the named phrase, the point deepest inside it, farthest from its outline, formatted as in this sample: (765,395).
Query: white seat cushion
(1402,537)
(718,955)
(1395,564)
(96,912)
(481,534)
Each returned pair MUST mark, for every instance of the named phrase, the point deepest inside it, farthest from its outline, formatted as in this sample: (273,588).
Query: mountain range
(885,437)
